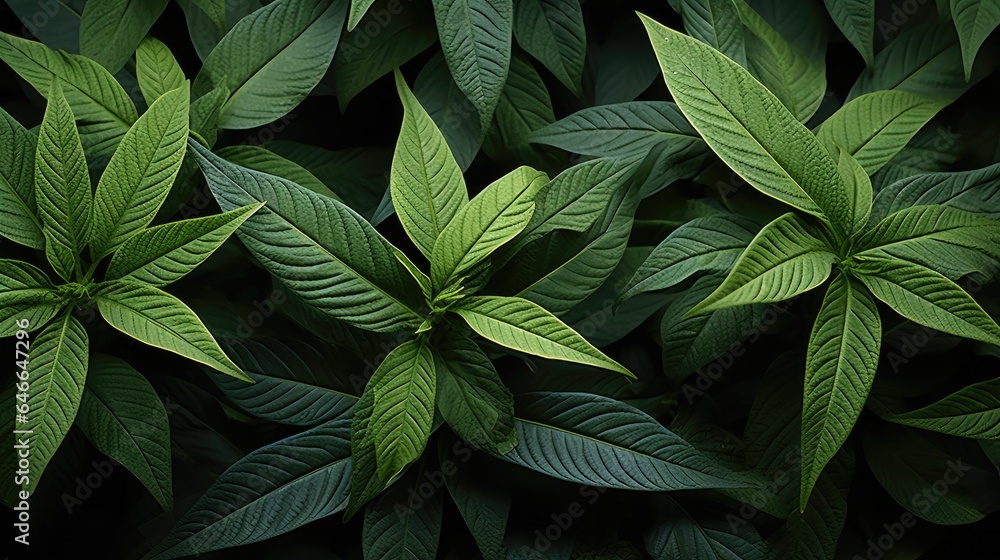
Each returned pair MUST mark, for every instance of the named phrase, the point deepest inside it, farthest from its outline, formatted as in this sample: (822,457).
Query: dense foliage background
(727,388)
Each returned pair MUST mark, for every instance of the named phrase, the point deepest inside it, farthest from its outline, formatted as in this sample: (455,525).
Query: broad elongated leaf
(111,30)
(676,534)
(159,319)
(975,20)
(716,23)
(38,312)
(140,173)
(876,126)
(62,186)
(426,182)
(396,529)
(928,298)
(975,191)
(99,103)
(271,491)
(748,127)
(493,217)
(795,78)
(156,69)
(292,382)
(856,20)
(60,29)
(476,40)
(972,412)
(524,107)
(124,419)
(166,253)
(365,482)
(266,161)
(782,261)
(840,368)
(598,441)
(710,244)
(526,327)
(404,387)
(319,248)
(472,398)
(453,113)
(552,31)
(58,362)
(272,59)
(18,209)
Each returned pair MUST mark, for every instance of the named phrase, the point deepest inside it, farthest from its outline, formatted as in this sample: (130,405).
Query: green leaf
(453,113)
(18,209)
(976,191)
(797,80)
(524,107)
(58,361)
(426,183)
(598,441)
(495,216)
(101,106)
(320,249)
(124,419)
(783,261)
(164,254)
(971,412)
(393,530)
(264,160)
(526,327)
(140,173)
(840,368)
(272,59)
(476,39)
(748,127)
(365,482)
(471,396)
(676,534)
(204,114)
(62,186)
(876,126)
(111,30)
(60,29)
(975,20)
(358,9)
(38,312)
(293,383)
(156,69)
(271,491)
(856,20)
(716,23)
(404,388)
(859,189)
(927,298)
(552,31)
(484,507)
(158,319)
(710,244)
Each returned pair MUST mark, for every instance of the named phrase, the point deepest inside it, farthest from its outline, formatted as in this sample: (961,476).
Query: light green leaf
(38,310)
(748,127)
(710,244)
(840,368)
(124,419)
(62,186)
(471,396)
(264,160)
(140,173)
(166,253)
(426,183)
(156,69)
(320,249)
(395,531)
(278,488)
(876,126)
(100,104)
(272,59)
(526,327)
(18,209)
(110,30)
(552,31)
(205,112)
(976,191)
(598,441)
(797,80)
(975,20)
(404,387)
(971,412)
(358,9)
(495,216)
(676,534)
(476,39)
(158,319)
(859,189)
(716,23)
(58,369)
(856,20)
(783,261)
(927,298)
